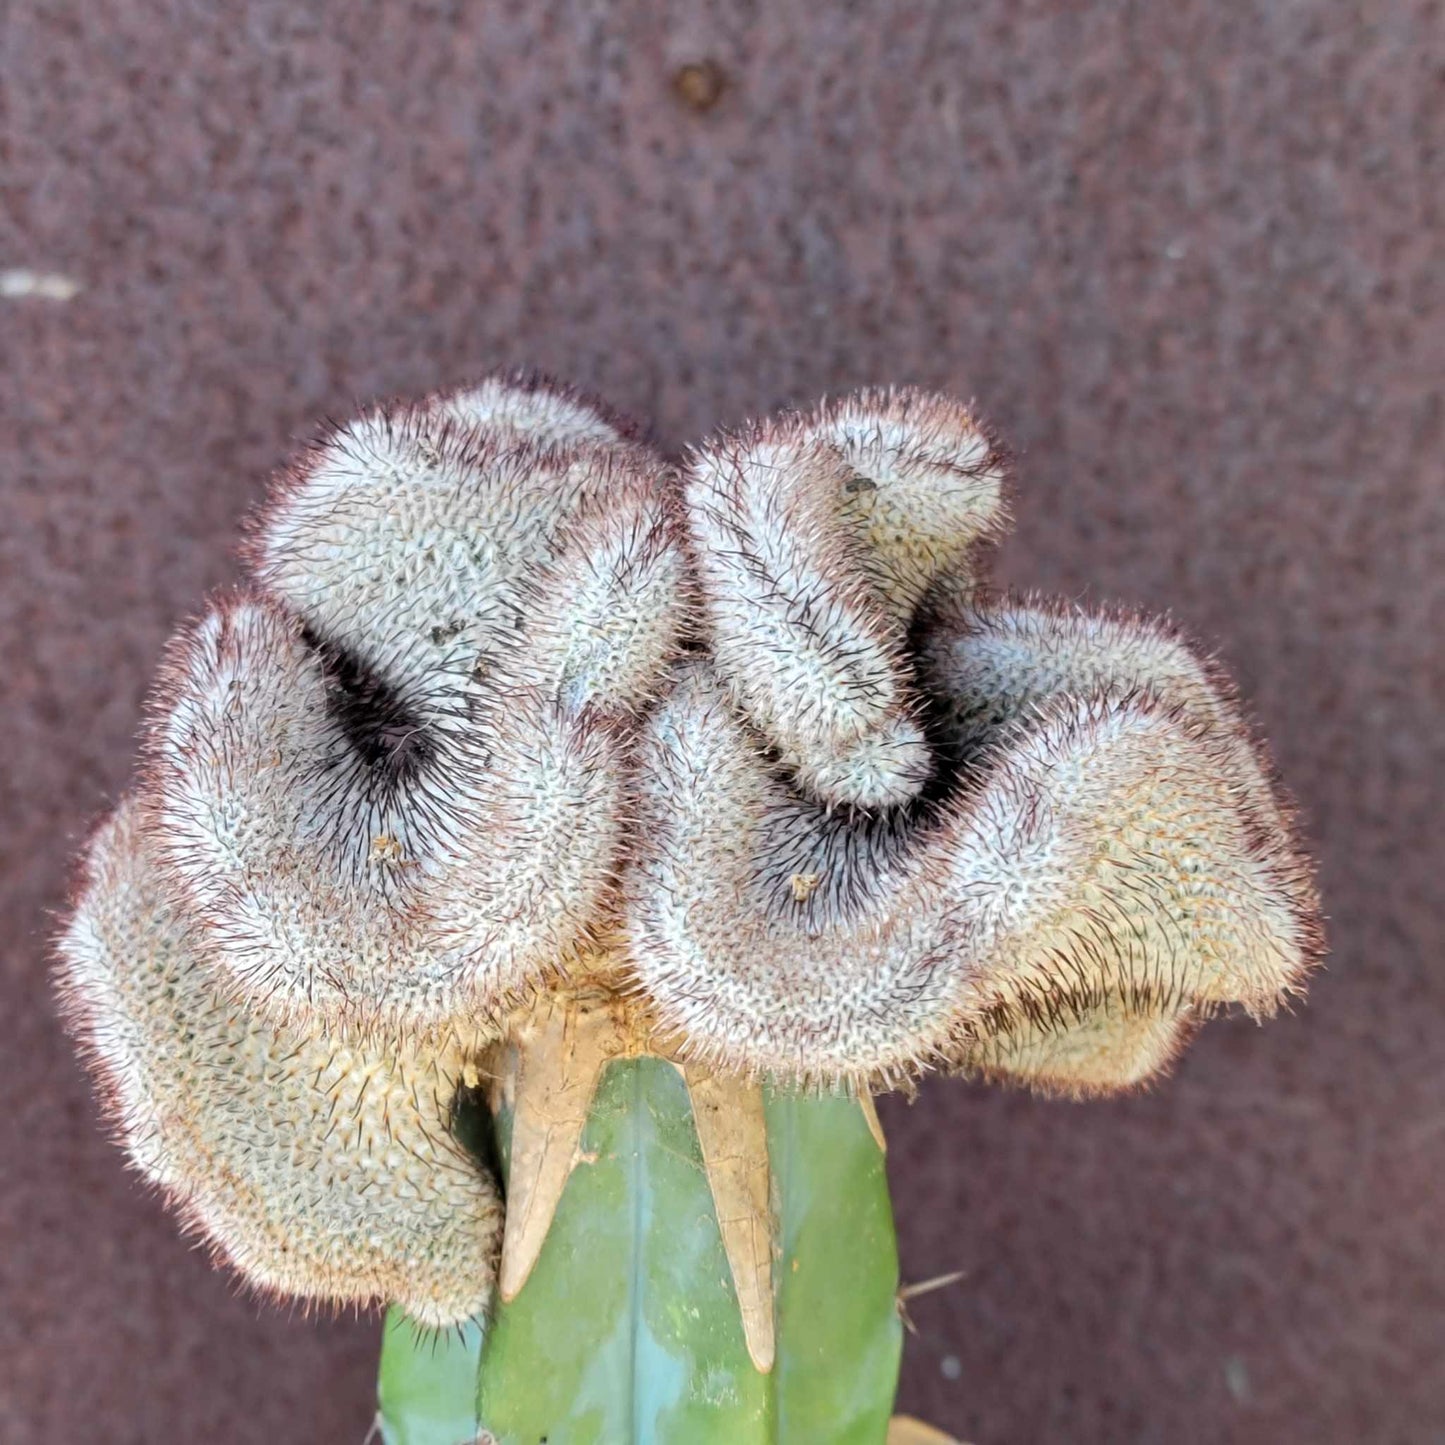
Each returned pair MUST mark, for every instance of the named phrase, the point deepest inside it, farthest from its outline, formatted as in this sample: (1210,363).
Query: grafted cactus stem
(688,1255)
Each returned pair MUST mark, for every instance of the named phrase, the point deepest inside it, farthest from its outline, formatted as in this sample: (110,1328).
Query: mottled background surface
(1187,256)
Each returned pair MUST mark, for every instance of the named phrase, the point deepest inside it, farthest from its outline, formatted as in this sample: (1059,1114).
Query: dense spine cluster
(816,538)
(383,799)
(391,781)
(316,1167)
(507,702)
(1104,853)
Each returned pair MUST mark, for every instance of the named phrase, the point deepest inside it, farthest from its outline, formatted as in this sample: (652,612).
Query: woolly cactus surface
(524,762)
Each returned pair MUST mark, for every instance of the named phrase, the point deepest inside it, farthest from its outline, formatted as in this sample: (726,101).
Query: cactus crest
(521,752)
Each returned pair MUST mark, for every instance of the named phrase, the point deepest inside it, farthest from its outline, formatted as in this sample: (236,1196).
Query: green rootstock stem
(628,1330)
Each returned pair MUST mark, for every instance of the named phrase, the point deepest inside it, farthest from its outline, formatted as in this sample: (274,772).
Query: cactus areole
(543,858)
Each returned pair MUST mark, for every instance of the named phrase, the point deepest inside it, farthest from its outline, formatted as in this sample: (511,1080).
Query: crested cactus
(316,1167)
(544,821)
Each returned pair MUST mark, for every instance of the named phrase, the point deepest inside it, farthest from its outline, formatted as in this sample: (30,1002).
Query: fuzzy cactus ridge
(316,1168)
(523,760)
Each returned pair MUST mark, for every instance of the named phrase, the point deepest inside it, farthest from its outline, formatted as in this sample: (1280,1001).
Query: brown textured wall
(1187,256)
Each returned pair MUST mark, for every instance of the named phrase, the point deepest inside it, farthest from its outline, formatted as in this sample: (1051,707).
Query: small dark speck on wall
(700,84)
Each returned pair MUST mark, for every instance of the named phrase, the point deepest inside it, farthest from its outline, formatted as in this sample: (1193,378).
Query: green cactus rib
(427,1389)
(628,1329)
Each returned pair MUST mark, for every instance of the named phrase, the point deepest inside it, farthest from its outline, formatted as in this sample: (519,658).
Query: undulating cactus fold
(660,814)
(317,1167)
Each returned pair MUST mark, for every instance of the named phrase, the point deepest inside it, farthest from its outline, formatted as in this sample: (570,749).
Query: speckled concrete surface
(1188,257)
